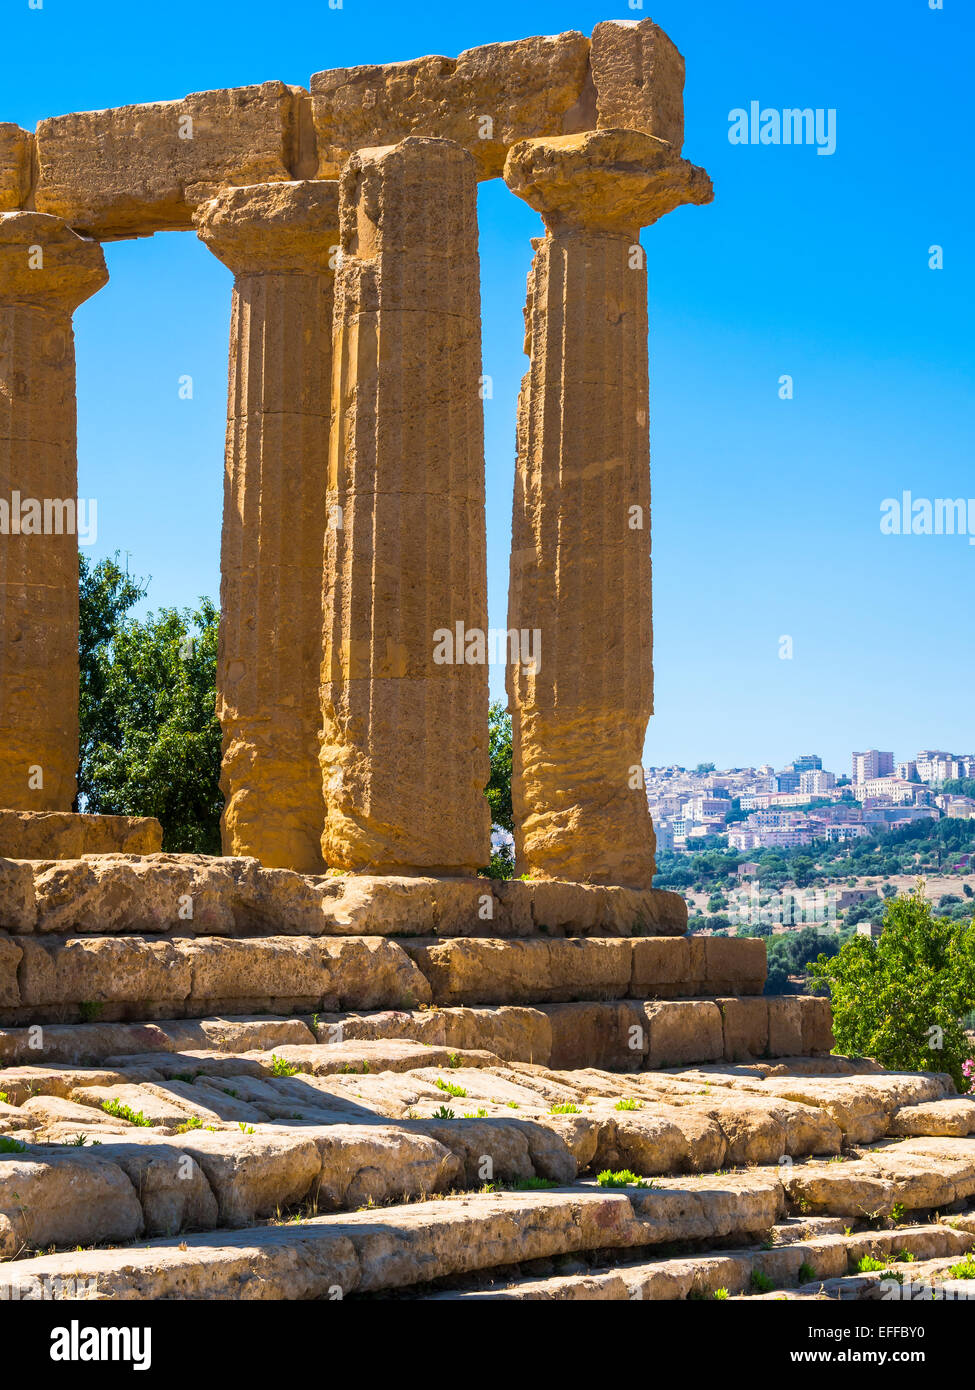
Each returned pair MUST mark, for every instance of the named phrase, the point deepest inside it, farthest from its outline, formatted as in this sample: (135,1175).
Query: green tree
(106,592)
(498,790)
(802,870)
(959,786)
(150,741)
(902,999)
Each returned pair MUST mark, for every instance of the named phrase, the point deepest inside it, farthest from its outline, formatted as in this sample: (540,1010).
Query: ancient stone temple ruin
(339,1011)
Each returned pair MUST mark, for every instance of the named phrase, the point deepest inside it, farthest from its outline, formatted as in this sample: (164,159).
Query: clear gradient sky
(766,518)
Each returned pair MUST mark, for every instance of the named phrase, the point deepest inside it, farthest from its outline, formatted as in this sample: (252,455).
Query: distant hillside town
(759,808)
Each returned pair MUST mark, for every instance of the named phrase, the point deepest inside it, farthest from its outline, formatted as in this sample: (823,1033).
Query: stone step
(41,974)
(394,1247)
(862,1102)
(479,971)
(92,1042)
(919,1281)
(490,1235)
(393,1119)
(623,1035)
(195,894)
(791,1262)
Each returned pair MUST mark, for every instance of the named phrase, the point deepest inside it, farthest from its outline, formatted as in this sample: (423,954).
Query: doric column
(404,676)
(46,271)
(580,550)
(280,240)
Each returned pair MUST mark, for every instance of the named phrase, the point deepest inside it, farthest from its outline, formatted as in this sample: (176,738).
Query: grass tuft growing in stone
(622,1178)
(125,1112)
(279,1067)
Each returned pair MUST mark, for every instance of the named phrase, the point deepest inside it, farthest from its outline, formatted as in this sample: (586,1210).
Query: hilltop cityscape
(758,808)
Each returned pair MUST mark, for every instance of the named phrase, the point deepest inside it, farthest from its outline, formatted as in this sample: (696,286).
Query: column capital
(603,180)
(273,228)
(44,264)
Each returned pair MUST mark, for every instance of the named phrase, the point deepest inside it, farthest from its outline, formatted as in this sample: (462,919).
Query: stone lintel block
(603,180)
(269,228)
(485,99)
(135,170)
(638,75)
(46,835)
(16,151)
(43,263)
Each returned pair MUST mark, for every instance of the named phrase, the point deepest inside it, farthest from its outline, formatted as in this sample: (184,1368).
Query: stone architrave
(580,556)
(281,242)
(46,271)
(404,677)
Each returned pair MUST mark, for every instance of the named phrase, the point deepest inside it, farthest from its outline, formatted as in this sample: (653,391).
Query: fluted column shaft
(280,240)
(580,566)
(580,557)
(404,710)
(46,271)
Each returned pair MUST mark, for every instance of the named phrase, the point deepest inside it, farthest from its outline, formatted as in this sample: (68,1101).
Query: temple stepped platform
(319,1170)
(317,1087)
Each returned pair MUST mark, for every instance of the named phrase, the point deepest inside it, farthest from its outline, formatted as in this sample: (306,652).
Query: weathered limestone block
(135,170)
(580,553)
(954,1116)
(745,1024)
(682,1031)
(72,970)
(280,240)
(485,99)
(45,273)
(609,1035)
(817,1025)
(188,894)
(638,75)
(482,971)
(356,972)
(513,1034)
(254,1174)
(10,957)
(172,1190)
(64,1199)
(375,1164)
(71,834)
(15,162)
(785,1026)
(18,906)
(404,740)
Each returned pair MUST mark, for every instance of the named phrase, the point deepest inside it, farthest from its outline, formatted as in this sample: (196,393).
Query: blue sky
(766,512)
